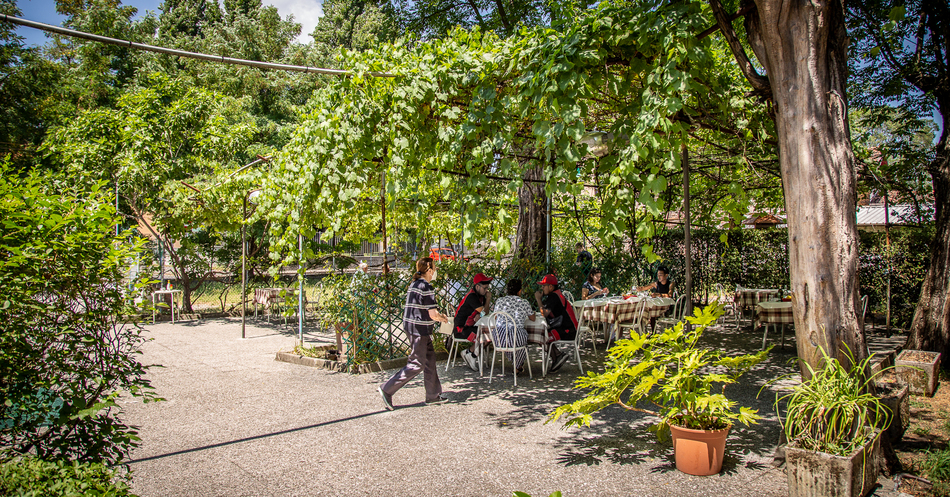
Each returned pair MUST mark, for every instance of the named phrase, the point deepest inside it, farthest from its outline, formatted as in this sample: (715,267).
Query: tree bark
(930,329)
(803,48)
(532,223)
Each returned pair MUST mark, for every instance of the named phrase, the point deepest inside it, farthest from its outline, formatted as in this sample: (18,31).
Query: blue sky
(305,12)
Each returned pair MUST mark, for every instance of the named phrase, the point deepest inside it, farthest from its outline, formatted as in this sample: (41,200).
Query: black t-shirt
(553,303)
(584,258)
(472,301)
(663,288)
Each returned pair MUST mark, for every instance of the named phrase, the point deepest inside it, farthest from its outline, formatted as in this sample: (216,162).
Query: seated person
(662,287)
(562,324)
(520,310)
(469,310)
(592,287)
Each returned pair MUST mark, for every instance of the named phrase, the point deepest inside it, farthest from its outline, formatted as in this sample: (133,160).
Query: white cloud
(306,12)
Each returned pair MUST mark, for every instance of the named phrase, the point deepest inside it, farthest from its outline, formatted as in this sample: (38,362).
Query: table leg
(173,306)
(481,354)
(153,308)
(764,335)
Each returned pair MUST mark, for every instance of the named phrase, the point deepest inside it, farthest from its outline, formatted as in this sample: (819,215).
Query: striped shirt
(419,299)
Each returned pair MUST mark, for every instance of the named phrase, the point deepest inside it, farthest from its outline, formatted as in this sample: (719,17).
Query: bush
(31,477)
(65,354)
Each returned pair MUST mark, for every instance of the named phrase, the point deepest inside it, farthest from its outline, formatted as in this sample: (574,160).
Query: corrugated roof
(873,215)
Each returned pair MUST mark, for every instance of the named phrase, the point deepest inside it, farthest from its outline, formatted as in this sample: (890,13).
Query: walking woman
(418,321)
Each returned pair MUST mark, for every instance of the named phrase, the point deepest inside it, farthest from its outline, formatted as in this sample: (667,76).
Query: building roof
(873,215)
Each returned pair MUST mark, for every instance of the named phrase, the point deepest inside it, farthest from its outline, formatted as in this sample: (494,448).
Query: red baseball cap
(481,278)
(548,280)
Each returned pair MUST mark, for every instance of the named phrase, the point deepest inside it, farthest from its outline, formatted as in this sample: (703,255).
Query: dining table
(537,334)
(774,314)
(749,298)
(171,293)
(617,310)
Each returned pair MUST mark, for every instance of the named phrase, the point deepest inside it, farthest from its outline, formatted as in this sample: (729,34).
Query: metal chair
(727,304)
(504,329)
(568,295)
(637,322)
(679,308)
(575,342)
(864,306)
(582,325)
(455,347)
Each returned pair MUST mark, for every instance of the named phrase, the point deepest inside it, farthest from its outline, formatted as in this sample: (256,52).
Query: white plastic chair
(499,323)
(576,343)
(636,323)
(456,342)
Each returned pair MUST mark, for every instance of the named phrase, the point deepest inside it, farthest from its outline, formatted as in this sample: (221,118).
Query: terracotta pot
(699,452)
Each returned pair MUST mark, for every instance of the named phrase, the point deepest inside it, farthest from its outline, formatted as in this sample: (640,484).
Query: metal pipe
(686,235)
(547,241)
(244,269)
(182,53)
(300,278)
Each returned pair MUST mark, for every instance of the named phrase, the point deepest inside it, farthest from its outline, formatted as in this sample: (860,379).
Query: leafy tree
(65,352)
(802,48)
(902,58)
(156,138)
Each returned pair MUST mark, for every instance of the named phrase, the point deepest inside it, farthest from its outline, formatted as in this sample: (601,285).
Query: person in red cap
(469,310)
(562,324)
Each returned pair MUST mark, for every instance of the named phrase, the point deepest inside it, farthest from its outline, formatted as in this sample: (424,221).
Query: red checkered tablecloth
(625,310)
(775,313)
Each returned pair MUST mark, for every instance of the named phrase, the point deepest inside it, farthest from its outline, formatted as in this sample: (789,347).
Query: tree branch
(759,82)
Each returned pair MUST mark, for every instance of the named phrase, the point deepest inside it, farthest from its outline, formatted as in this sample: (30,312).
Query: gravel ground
(237,422)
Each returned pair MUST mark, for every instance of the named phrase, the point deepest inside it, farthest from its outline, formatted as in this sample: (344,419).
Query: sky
(305,12)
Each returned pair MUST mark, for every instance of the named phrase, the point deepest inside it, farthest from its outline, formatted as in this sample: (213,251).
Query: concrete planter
(816,474)
(896,396)
(919,370)
(331,364)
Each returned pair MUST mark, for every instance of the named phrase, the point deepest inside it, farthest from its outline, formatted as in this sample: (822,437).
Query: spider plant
(835,411)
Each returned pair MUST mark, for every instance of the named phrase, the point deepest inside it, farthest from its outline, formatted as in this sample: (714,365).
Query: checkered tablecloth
(625,310)
(750,297)
(537,329)
(775,313)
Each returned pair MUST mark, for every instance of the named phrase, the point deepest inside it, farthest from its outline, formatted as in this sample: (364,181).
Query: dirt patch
(929,430)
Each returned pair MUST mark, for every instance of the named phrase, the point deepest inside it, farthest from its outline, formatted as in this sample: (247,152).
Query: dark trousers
(421,360)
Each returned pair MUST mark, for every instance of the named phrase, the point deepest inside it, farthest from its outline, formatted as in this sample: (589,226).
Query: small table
(774,313)
(750,297)
(537,334)
(618,310)
(164,292)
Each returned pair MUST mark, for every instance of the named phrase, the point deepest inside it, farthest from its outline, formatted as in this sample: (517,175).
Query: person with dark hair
(520,310)
(592,287)
(469,310)
(562,324)
(584,259)
(419,320)
(662,286)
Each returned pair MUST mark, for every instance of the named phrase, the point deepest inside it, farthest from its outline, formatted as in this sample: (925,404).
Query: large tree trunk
(802,46)
(532,216)
(931,327)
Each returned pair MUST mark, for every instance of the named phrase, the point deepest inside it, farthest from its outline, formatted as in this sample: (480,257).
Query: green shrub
(65,354)
(31,477)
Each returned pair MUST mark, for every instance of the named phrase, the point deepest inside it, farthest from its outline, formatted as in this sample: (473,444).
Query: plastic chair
(679,308)
(576,343)
(636,323)
(501,324)
(456,342)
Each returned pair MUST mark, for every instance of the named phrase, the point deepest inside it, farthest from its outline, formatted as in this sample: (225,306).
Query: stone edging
(369,367)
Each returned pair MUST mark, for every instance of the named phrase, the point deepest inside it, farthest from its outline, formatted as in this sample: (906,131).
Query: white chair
(575,342)
(503,329)
(679,308)
(582,324)
(864,306)
(568,295)
(636,323)
(456,342)
(727,303)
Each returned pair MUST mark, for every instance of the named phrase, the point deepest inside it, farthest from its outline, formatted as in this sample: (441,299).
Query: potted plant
(833,423)
(668,376)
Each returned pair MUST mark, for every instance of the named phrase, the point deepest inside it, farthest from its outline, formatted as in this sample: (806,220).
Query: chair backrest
(579,308)
(568,295)
(721,293)
(679,308)
(864,306)
(501,322)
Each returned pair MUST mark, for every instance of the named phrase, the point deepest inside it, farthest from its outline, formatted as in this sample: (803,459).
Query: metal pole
(887,238)
(547,236)
(686,234)
(244,270)
(382,204)
(300,274)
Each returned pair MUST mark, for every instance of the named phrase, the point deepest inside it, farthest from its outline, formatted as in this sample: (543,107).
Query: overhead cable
(182,53)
